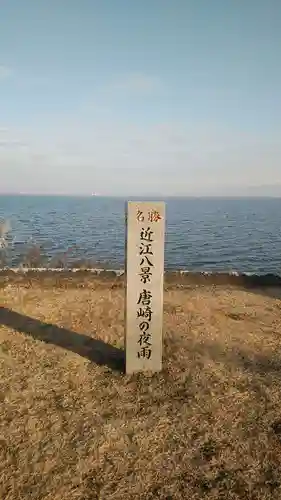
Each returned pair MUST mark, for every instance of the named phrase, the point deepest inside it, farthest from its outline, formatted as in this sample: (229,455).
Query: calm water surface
(202,234)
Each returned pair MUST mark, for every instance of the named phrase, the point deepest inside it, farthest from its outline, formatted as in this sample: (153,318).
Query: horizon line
(140,196)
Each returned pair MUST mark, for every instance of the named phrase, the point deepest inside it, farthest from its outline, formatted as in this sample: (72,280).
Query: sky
(123,97)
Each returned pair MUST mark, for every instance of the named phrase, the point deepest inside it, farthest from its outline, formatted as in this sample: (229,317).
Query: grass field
(74,427)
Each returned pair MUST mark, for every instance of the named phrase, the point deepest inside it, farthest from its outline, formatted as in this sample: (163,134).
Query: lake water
(207,234)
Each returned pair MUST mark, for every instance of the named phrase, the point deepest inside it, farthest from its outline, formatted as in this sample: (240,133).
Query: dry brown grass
(208,426)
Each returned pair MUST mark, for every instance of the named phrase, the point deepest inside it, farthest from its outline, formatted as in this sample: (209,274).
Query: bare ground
(74,427)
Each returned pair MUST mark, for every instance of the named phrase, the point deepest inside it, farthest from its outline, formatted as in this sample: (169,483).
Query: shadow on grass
(95,350)
(268,285)
(253,362)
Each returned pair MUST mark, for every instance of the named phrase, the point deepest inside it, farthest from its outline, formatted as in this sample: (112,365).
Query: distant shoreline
(152,197)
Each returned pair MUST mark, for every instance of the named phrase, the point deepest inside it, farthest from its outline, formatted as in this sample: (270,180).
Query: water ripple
(201,234)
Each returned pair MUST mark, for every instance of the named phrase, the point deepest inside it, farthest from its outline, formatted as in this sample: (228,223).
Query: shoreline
(180,277)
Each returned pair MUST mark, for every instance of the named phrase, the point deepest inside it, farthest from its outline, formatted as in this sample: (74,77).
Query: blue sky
(151,97)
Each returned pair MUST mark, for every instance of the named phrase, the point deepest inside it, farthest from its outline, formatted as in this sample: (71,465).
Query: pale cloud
(5,72)
(110,158)
(136,83)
